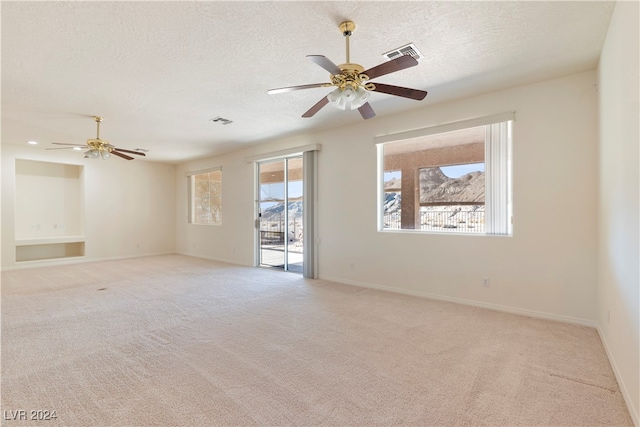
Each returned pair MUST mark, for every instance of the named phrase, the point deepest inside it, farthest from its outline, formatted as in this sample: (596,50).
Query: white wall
(48,199)
(547,268)
(233,240)
(129,206)
(619,214)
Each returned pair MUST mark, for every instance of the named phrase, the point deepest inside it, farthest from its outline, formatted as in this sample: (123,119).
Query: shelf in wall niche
(48,240)
(49,248)
(49,211)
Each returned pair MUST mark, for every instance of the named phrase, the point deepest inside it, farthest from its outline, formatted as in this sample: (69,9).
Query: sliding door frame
(309,202)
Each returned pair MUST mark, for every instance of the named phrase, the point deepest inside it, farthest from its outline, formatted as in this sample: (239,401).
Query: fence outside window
(454,220)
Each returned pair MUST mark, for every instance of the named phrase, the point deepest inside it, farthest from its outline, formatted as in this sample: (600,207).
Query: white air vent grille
(409,49)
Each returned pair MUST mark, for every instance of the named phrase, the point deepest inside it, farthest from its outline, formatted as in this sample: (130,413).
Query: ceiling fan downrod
(98,121)
(347,28)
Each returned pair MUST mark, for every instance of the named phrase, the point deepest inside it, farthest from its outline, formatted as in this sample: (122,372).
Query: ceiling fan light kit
(348,98)
(351,81)
(95,153)
(99,148)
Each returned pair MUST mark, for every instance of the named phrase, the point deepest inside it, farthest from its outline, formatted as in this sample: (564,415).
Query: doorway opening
(280,214)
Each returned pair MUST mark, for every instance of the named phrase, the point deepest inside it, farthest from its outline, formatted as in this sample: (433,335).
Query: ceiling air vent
(409,49)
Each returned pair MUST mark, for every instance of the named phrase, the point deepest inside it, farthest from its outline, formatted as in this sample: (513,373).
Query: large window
(205,197)
(454,178)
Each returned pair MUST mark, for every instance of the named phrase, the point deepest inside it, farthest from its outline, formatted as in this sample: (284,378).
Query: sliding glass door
(280,214)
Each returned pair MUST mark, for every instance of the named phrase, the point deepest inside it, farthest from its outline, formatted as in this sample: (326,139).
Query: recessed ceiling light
(32,142)
(78,148)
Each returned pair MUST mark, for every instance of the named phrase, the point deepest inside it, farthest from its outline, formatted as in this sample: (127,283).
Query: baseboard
(84,259)
(226,261)
(76,260)
(480,304)
(633,411)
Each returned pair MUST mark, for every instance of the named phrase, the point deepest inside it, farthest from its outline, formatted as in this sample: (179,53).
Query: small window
(206,198)
(456,181)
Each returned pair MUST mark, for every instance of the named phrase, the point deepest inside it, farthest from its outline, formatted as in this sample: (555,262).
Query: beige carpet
(173,340)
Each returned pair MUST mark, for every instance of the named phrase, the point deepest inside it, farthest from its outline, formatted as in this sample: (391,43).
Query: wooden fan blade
(317,107)
(366,111)
(124,156)
(405,61)
(325,63)
(75,145)
(292,88)
(405,92)
(130,151)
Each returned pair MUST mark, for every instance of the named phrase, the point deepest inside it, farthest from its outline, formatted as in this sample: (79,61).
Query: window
(392,199)
(205,195)
(453,178)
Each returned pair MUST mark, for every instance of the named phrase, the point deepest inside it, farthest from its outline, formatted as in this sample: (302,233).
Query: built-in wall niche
(49,220)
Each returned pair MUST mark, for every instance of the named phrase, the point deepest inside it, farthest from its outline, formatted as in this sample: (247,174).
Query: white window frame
(498,171)
(191,195)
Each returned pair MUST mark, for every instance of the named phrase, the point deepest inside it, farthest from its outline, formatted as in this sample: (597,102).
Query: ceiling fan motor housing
(100,145)
(352,76)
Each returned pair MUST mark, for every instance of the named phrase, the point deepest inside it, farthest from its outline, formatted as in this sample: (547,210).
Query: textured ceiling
(159,71)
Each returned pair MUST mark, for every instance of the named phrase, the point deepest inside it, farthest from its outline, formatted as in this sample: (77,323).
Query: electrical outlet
(485,282)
